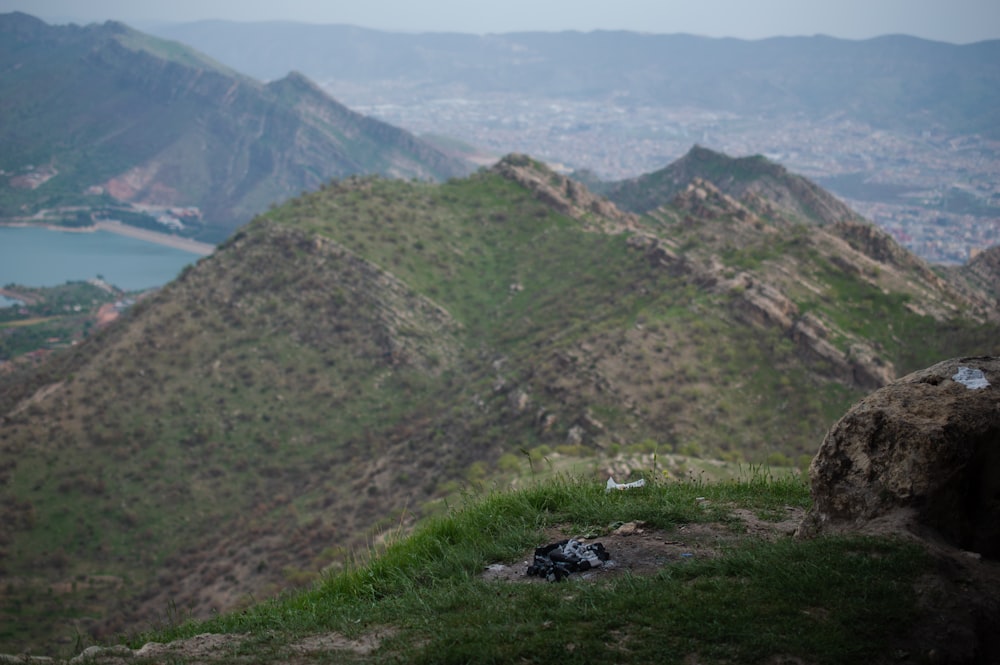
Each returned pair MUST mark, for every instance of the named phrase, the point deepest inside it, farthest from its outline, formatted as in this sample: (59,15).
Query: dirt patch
(957,601)
(200,649)
(638,549)
(209,649)
(106,314)
(40,395)
(771,529)
(335,642)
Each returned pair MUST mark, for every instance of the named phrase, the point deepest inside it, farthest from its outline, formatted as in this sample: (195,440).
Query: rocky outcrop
(663,254)
(705,201)
(860,365)
(924,452)
(920,458)
(564,195)
(764,306)
(757,183)
(984,268)
(878,245)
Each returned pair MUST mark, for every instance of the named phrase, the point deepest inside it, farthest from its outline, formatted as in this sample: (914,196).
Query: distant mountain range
(886,81)
(104,116)
(350,360)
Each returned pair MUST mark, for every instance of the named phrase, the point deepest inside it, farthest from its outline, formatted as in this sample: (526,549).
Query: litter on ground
(556,561)
(612,485)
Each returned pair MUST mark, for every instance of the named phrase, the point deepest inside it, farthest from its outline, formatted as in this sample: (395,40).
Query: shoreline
(165,239)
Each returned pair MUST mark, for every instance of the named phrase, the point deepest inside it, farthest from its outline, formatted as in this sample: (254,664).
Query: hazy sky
(959,21)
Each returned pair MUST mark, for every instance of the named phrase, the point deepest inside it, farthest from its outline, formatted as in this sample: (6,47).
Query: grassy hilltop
(699,572)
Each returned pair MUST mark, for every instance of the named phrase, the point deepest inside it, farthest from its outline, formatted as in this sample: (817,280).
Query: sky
(956,21)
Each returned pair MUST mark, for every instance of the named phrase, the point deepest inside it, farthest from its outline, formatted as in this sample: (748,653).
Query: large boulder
(922,454)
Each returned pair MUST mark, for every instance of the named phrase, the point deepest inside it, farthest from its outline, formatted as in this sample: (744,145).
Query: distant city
(938,194)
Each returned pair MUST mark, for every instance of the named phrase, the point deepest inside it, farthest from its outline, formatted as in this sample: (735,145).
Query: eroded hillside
(109,121)
(353,357)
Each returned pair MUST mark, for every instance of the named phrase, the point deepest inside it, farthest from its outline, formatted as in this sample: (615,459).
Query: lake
(35,256)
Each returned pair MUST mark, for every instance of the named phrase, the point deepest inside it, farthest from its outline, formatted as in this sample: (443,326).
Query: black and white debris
(554,562)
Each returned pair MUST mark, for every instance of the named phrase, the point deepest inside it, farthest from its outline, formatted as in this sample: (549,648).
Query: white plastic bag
(612,485)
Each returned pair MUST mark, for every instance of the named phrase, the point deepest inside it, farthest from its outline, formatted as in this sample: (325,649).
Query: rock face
(565,195)
(985,269)
(925,448)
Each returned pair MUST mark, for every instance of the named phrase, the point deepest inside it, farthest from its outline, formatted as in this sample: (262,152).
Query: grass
(827,600)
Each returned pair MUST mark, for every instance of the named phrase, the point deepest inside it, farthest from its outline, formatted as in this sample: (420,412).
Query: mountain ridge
(129,119)
(768,189)
(349,360)
(755,175)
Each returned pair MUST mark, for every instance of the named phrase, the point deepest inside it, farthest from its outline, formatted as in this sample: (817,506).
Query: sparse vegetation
(354,359)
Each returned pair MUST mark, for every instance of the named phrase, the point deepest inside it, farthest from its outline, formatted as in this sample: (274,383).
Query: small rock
(630,528)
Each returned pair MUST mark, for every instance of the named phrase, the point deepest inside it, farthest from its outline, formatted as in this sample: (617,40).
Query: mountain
(347,362)
(754,175)
(103,115)
(889,81)
(770,189)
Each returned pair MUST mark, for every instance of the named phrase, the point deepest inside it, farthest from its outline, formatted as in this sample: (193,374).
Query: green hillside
(755,175)
(352,359)
(105,116)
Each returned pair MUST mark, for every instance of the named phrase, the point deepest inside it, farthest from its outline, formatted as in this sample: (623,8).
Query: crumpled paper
(612,485)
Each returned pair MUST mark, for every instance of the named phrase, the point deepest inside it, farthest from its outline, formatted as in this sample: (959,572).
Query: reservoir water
(34,256)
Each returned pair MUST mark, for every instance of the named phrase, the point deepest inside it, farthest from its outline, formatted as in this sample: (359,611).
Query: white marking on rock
(971,378)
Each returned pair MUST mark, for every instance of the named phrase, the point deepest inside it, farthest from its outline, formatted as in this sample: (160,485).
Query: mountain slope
(349,360)
(769,190)
(756,175)
(109,115)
